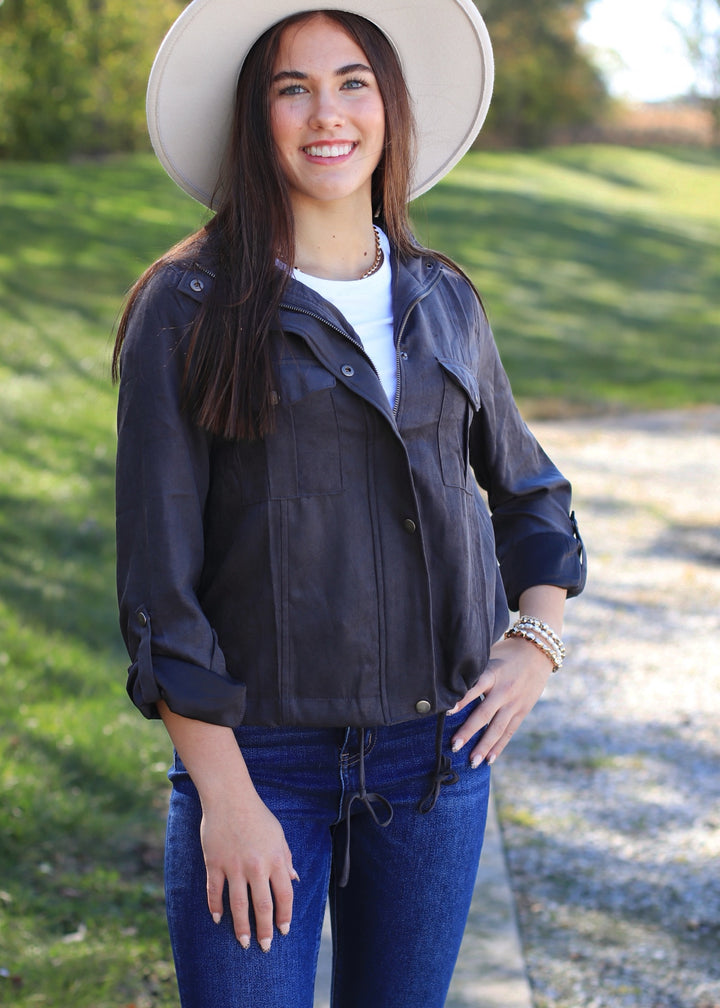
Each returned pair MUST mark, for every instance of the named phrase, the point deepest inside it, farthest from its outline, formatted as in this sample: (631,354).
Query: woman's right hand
(244,845)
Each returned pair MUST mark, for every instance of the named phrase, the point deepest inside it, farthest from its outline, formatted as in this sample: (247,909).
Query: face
(327,115)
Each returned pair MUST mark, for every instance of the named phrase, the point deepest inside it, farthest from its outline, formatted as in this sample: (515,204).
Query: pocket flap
(299,378)
(463,377)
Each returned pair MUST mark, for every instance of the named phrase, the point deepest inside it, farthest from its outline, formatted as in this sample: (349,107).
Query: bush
(73,74)
(544,81)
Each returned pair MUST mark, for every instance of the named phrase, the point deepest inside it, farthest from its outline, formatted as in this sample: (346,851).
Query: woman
(308,577)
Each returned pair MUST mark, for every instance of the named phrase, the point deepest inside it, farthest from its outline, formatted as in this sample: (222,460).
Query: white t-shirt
(367,305)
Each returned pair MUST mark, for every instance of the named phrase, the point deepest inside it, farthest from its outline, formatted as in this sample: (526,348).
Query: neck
(334,245)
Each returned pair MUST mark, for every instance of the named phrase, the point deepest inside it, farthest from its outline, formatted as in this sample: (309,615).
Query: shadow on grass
(702,157)
(599,302)
(62,584)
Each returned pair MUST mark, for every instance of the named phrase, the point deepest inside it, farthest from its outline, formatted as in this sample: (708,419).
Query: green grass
(82,786)
(599,268)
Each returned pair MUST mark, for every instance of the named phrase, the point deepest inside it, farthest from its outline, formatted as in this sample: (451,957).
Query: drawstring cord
(366,799)
(444,773)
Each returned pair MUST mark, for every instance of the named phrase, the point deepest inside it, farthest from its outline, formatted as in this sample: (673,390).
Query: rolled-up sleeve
(161,488)
(536,534)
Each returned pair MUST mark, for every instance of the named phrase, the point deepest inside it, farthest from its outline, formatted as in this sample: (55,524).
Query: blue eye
(354,84)
(292,89)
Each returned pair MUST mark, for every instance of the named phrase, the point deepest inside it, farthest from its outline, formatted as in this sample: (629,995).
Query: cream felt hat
(444,51)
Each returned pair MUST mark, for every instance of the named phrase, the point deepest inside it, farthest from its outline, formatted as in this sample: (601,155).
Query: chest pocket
(304,450)
(461,400)
(300,458)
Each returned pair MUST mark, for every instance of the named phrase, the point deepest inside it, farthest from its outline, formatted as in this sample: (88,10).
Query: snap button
(142,619)
(197,285)
(423,706)
(404,355)
(409,525)
(348,370)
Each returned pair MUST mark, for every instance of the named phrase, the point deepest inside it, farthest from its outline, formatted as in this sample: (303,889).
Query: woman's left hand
(512,683)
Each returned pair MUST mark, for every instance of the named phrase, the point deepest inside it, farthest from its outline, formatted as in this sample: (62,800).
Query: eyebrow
(340,72)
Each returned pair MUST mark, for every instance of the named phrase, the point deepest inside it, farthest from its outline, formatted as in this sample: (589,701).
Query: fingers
(240,910)
(499,729)
(283,900)
(493,742)
(472,694)
(508,694)
(262,902)
(271,899)
(474,723)
(215,886)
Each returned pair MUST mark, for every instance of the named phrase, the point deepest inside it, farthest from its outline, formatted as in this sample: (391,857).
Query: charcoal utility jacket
(344,570)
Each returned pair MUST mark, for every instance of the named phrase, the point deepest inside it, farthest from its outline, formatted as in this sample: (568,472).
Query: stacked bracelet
(542,636)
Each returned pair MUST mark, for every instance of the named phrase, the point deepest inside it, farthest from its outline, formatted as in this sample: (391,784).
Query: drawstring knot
(443,774)
(366,799)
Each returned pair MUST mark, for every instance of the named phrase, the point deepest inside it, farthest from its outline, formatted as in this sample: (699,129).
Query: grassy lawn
(599,268)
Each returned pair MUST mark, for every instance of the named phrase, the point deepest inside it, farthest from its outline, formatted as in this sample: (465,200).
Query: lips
(327,150)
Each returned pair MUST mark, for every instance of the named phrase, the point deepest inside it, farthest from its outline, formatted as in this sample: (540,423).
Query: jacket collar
(302,309)
(412,280)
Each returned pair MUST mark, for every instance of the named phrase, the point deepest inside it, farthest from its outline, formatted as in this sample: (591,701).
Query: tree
(73,74)
(698,22)
(544,81)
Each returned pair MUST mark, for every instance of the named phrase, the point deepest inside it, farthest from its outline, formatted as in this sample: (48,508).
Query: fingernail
(453,710)
(457,744)
(265,944)
(491,759)
(217,917)
(476,761)
(284,929)
(295,877)
(244,941)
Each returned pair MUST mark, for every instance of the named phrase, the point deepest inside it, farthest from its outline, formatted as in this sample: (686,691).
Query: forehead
(317,43)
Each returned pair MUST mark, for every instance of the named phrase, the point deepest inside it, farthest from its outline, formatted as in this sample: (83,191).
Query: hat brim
(444,51)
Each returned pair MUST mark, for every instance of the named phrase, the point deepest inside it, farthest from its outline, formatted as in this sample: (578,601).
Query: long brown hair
(227,384)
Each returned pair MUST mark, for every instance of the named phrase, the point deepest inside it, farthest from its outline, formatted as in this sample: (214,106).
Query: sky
(640,53)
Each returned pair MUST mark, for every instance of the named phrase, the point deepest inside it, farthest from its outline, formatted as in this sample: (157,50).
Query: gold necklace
(378,256)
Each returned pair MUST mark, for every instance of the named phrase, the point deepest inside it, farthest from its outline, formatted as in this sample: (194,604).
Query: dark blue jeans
(397,924)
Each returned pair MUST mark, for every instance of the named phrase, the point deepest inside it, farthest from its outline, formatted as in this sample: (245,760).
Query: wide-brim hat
(443,47)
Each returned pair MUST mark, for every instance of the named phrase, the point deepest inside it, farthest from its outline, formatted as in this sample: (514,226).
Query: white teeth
(328,151)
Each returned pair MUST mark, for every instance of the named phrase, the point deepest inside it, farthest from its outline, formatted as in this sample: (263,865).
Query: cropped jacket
(353,567)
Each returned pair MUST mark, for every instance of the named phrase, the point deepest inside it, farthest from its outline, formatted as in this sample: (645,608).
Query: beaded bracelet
(534,623)
(548,634)
(542,636)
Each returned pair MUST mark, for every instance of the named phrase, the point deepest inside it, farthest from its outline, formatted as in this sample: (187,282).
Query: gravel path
(609,796)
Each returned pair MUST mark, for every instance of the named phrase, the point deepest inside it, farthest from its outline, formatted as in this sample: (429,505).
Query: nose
(326,112)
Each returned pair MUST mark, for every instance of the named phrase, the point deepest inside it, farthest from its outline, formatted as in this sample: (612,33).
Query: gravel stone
(609,795)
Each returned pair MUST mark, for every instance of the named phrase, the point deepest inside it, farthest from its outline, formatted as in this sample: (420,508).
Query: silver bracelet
(542,636)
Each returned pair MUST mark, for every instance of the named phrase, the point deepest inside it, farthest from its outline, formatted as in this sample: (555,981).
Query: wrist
(542,636)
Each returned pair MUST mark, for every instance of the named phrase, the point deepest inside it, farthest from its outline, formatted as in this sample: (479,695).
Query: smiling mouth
(329,150)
